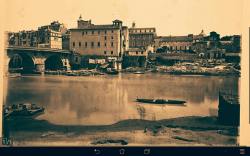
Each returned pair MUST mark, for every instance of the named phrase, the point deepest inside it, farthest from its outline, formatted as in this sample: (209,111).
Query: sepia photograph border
(244,139)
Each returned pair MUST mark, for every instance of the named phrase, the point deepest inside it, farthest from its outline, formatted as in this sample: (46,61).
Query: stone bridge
(37,59)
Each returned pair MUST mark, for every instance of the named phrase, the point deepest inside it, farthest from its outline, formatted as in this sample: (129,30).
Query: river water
(106,99)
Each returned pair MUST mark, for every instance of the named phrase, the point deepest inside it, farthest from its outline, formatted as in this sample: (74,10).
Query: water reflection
(108,99)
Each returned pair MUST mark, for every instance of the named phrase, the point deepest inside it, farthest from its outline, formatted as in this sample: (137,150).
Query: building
(215,53)
(24,38)
(66,40)
(200,45)
(231,44)
(213,40)
(105,42)
(49,39)
(141,37)
(177,43)
(174,43)
(135,57)
(48,36)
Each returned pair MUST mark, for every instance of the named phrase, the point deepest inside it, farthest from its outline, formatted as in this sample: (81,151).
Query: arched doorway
(21,63)
(54,62)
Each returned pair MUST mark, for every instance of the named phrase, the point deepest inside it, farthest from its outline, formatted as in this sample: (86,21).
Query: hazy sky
(175,17)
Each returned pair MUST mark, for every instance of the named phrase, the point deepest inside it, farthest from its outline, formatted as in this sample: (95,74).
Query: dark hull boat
(161,101)
(112,71)
(23,110)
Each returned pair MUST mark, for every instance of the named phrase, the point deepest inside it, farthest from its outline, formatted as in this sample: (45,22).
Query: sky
(169,17)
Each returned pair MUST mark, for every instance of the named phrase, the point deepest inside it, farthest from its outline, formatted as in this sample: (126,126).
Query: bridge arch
(54,62)
(21,63)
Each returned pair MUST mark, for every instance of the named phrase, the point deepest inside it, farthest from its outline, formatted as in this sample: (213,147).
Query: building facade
(48,36)
(24,38)
(99,41)
(177,43)
(231,44)
(174,43)
(141,37)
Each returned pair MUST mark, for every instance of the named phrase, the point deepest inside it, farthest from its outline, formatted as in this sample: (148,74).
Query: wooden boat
(139,72)
(112,71)
(161,101)
(14,75)
(23,110)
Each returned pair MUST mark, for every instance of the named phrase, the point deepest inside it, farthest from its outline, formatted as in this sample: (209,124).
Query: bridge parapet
(21,48)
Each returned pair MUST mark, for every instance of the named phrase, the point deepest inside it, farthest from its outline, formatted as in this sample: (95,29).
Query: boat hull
(161,101)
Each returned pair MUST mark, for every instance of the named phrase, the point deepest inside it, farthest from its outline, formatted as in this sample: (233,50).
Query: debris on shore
(110,141)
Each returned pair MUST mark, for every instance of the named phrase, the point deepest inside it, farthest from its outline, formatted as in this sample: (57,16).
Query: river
(106,99)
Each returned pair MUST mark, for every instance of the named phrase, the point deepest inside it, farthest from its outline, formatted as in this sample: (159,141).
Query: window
(80,44)
(82,33)
(98,44)
(98,31)
(142,52)
(73,44)
(105,32)
(105,37)
(105,52)
(112,44)
(112,31)
(105,44)
(111,52)
(92,44)
(93,32)
(137,53)
(86,44)
(112,37)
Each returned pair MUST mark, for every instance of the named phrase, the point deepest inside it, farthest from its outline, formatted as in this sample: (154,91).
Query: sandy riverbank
(177,131)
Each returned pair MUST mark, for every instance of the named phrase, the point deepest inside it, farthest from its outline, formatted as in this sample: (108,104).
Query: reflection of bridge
(37,59)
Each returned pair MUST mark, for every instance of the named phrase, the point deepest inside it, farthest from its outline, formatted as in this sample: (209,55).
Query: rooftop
(141,28)
(176,39)
(98,27)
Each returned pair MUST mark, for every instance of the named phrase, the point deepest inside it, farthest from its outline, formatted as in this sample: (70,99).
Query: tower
(82,23)
(117,23)
(133,25)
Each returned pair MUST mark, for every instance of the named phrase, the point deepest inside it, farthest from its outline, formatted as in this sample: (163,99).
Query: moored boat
(161,101)
(139,72)
(23,110)
(112,71)
(14,75)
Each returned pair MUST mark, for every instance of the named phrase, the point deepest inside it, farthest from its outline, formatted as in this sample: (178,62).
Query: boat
(85,73)
(14,75)
(70,73)
(112,71)
(161,101)
(23,110)
(139,72)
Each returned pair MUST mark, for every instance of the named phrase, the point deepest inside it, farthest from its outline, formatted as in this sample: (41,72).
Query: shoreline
(180,131)
(159,72)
